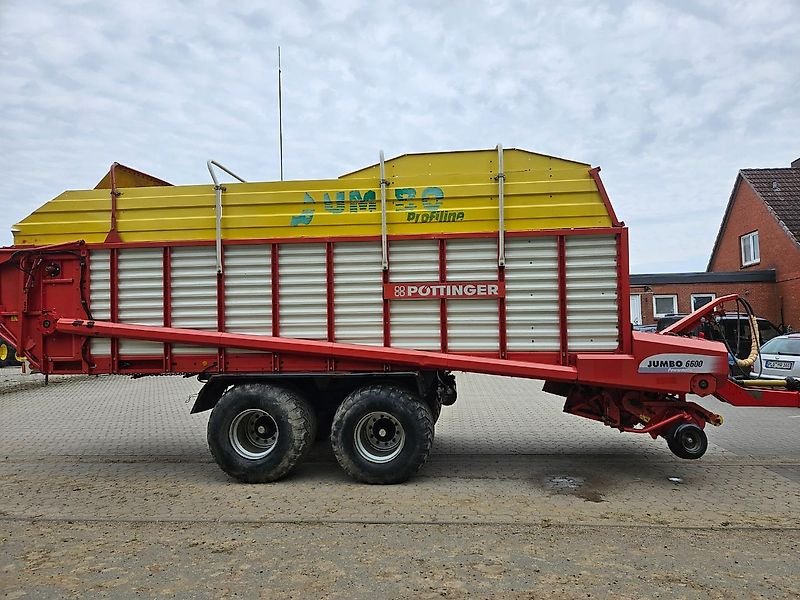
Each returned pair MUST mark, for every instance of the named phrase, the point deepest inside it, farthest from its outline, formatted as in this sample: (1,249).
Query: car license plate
(779,364)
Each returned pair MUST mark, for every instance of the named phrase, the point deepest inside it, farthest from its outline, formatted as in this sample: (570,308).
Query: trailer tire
(436,409)
(258,432)
(687,441)
(382,434)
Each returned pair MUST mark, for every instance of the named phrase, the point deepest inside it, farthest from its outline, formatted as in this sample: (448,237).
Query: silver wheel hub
(253,434)
(379,437)
(690,441)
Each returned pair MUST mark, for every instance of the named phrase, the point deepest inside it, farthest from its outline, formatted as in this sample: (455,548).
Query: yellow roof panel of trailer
(450,192)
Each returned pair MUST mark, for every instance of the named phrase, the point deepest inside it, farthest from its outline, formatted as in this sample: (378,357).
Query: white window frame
(639,302)
(755,250)
(674,297)
(712,297)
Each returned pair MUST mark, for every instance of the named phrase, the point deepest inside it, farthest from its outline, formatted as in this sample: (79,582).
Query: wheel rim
(691,440)
(379,437)
(3,352)
(253,433)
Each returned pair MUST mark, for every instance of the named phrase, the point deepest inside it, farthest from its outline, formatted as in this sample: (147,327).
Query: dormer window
(750,251)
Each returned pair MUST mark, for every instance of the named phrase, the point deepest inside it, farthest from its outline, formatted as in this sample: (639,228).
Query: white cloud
(671,98)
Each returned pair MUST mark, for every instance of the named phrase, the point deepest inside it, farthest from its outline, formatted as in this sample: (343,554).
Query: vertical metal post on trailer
(501,250)
(387,329)
(501,234)
(113,233)
(384,246)
(218,189)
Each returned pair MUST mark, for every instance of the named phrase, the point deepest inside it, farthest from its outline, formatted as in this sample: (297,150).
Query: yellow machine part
(127,177)
(446,192)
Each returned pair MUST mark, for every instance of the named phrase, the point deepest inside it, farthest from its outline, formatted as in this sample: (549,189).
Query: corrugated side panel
(532,294)
(141,295)
(100,296)
(303,297)
(193,292)
(592,317)
(248,290)
(415,323)
(358,292)
(472,324)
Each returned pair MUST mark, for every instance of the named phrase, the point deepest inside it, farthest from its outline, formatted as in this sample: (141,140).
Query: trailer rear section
(340,308)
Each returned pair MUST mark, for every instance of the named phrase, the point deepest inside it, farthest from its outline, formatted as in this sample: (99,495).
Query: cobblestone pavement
(518,500)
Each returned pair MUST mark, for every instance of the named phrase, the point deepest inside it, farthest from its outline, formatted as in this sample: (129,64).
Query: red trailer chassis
(45,312)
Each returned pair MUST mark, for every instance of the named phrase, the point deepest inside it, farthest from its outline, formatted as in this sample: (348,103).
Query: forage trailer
(341,307)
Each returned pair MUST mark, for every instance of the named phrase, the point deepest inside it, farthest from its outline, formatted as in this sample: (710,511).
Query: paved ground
(108,489)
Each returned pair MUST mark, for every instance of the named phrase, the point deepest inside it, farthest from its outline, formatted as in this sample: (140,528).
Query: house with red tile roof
(756,254)
(761,230)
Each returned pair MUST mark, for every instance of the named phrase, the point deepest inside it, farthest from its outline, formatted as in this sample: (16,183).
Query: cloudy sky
(669,98)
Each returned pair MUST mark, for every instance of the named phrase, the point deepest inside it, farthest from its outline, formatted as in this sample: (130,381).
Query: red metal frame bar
(660,425)
(167,304)
(329,292)
(275,286)
(737,395)
(330,316)
(387,312)
(443,301)
(689,321)
(240,362)
(113,259)
(362,238)
(394,356)
(221,308)
(595,175)
(23,322)
(501,318)
(85,293)
(562,297)
(6,253)
(624,292)
(276,289)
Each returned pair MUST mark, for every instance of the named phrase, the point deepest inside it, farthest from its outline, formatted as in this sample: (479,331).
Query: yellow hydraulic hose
(754,345)
(764,382)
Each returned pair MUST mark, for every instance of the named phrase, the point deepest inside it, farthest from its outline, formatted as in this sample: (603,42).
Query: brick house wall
(777,251)
(761,294)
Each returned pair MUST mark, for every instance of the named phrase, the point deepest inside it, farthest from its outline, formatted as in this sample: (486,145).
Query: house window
(750,251)
(699,300)
(665,304)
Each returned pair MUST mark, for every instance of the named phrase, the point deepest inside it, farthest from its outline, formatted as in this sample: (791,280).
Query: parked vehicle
(780,358)
(342,306)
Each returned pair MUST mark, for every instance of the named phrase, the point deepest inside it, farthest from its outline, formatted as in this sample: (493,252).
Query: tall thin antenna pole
(280,112)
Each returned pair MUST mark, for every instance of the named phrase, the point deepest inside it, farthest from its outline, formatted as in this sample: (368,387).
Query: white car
(780,358)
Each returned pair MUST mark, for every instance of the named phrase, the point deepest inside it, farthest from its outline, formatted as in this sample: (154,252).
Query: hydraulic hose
(755,343)
(755,338)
